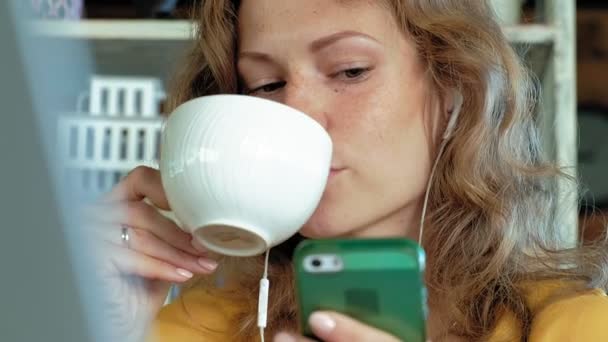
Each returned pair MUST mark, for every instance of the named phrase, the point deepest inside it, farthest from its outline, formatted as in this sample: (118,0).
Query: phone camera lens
(316,262)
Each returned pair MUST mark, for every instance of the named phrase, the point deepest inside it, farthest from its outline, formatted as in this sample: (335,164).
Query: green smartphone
(379,282)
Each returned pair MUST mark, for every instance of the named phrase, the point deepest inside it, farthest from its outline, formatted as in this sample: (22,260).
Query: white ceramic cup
(243,174)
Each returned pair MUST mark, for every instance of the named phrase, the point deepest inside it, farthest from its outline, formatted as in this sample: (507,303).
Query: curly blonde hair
(490,222)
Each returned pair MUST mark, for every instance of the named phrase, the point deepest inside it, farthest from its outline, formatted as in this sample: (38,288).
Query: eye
(352,74)
(267,88)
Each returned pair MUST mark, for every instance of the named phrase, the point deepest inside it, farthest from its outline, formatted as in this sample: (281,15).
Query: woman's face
(348,66)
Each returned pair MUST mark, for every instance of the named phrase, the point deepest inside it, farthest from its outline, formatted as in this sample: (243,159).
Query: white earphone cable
(428,190)
(263,298)
(446,137)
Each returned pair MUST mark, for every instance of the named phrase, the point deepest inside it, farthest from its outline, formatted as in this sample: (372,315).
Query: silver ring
(125,237)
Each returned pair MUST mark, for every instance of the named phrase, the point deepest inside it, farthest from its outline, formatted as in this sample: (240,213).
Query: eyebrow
(315,46)
(322,43)
(262,57)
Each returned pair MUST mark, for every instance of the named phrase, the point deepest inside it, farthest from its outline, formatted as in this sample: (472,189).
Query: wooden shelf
(115,29)
(530,34)
(133,47)
(134,29)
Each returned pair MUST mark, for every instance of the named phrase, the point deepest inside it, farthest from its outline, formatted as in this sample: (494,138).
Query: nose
(305,100)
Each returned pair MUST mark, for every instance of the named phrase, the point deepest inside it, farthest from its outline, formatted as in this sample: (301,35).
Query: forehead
(262,21)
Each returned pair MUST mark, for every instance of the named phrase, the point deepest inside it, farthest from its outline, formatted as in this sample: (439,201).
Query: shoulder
(198,314)
(580,317)
(558,315)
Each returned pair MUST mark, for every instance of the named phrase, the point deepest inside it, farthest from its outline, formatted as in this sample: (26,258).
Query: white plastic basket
(122,96)
(97,151)
(118,131)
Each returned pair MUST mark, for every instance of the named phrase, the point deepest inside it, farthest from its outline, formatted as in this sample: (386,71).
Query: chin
(314,232)
(320,226)
(333,217)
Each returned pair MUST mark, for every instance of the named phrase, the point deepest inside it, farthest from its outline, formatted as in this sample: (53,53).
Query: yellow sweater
(199,316)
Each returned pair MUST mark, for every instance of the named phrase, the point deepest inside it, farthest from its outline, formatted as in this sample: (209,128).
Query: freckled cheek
(354,108)
(372,124)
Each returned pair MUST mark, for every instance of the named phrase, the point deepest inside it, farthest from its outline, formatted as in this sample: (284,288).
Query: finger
(334,327)
(142,216)
(142,182)
(287,337)
(198,246)
(130,262)
(147,243)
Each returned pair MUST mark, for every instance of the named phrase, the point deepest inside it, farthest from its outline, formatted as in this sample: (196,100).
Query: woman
(383,78)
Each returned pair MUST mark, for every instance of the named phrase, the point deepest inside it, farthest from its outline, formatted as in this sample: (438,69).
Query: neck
(403,222)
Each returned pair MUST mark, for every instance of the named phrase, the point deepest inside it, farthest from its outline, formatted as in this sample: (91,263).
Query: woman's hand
(334,327)
(138,273)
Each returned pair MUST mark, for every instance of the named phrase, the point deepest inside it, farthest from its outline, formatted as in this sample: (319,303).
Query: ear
(453,103)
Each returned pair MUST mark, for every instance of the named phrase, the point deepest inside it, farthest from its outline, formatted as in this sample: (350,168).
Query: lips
(335,170)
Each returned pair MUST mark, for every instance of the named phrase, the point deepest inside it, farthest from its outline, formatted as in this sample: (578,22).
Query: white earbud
(453,115)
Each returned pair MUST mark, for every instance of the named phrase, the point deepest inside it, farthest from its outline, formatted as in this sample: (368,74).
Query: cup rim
(262,240)
(240,98)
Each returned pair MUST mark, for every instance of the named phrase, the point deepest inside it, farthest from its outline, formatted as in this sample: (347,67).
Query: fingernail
(207,264)
(322,322)
(184,273)
(283,337)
